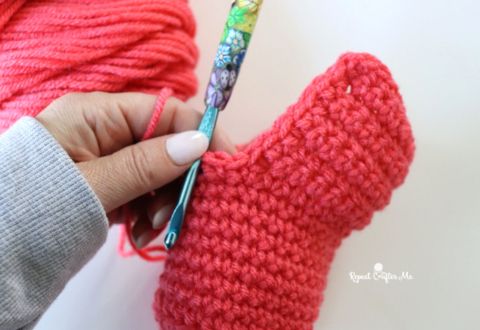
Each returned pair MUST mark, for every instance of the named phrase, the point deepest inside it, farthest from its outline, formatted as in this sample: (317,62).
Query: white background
(432,227)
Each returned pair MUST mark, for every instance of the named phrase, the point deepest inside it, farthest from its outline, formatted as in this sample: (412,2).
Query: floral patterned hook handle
(231,52)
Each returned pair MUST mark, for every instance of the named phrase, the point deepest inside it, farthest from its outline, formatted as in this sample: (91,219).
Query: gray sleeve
(51,222)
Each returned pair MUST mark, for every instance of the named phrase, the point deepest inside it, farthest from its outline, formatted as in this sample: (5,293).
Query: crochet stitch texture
(264,224)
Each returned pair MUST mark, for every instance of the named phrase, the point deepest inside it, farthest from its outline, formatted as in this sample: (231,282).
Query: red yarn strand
(126,229)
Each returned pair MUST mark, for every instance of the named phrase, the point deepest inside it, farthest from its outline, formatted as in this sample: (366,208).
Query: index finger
(176,117)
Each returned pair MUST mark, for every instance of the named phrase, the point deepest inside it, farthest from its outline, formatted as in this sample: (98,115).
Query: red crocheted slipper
(264,224)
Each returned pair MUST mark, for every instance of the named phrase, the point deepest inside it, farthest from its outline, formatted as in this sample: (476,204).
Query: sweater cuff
(52,221)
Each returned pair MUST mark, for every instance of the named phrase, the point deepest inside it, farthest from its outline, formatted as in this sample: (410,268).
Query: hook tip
(170,240)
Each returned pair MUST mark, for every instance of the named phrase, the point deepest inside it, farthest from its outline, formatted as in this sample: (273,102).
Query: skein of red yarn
(50,48)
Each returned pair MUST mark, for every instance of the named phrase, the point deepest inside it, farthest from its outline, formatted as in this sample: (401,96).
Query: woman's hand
(100,132)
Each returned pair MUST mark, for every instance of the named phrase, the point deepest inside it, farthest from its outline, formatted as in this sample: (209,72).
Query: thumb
(143,167)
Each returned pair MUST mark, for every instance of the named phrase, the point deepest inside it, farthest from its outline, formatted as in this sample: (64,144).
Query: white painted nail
(162,215)
(184,148)
(144,239)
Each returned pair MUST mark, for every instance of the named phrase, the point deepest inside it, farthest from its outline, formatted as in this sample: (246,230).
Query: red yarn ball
(50,48)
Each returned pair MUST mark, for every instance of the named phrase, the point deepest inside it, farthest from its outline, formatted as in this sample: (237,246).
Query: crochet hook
(231,52)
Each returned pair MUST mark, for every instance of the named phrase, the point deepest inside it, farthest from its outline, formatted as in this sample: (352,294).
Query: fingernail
(144,239)
(186,147)
(161,217)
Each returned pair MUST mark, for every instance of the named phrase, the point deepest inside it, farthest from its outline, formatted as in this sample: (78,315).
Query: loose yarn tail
(129,218)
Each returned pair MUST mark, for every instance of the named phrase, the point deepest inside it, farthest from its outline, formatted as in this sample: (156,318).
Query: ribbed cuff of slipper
(51,222)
